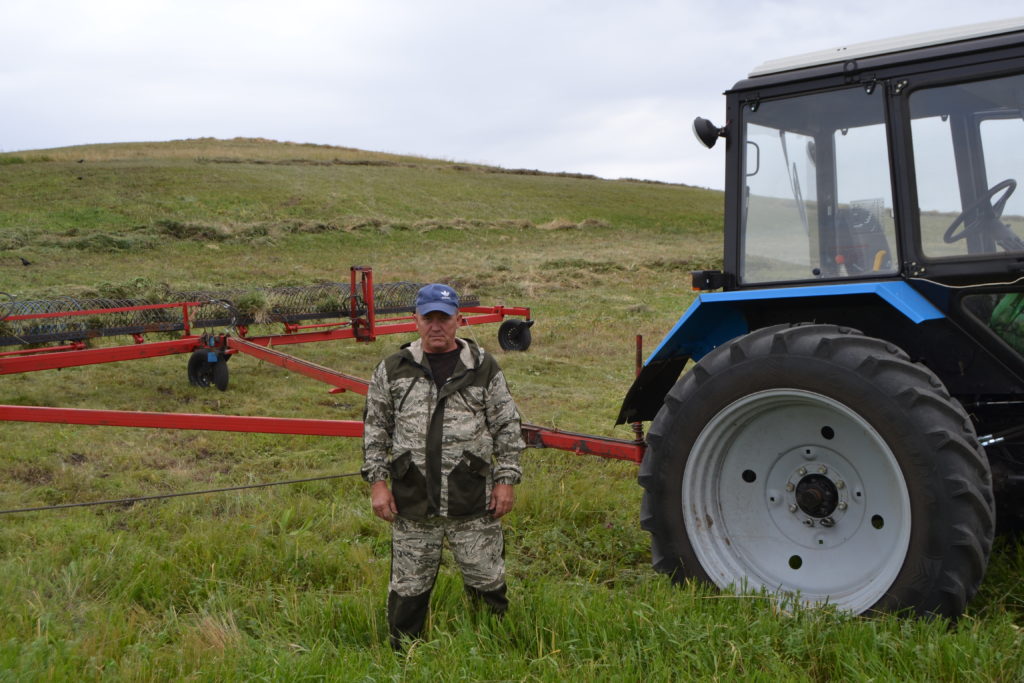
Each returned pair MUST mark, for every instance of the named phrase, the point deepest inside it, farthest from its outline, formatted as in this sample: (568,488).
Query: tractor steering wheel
(996,208)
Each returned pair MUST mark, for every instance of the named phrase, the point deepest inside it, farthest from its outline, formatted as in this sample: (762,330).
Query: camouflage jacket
(443,449)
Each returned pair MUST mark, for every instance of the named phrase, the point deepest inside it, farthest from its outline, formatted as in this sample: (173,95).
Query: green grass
(289,582)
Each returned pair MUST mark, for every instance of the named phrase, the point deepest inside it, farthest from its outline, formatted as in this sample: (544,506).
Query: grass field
(288,583)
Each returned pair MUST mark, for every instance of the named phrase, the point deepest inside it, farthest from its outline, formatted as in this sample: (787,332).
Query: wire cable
(139,499)
(975,286)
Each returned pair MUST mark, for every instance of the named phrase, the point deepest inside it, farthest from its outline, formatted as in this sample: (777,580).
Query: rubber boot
(406,616)
(495,600)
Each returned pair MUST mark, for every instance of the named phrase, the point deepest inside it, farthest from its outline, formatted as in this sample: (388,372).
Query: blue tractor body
(716,317)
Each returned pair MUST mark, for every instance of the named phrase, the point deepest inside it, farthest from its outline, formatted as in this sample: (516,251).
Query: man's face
(437,331)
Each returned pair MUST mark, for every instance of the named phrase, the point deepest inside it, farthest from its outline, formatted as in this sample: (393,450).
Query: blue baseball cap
(437,297)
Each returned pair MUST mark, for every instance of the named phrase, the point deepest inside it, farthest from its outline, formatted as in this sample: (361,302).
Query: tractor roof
(888,46)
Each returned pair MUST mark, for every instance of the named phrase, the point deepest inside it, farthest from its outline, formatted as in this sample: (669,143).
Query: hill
(227,205)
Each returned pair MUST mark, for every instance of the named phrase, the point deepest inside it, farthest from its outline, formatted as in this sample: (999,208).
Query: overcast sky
(589,86)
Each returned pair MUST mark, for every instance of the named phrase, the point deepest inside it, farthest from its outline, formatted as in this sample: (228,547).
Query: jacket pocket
(467,486)
(409,487)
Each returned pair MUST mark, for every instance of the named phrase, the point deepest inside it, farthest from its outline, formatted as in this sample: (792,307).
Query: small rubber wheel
(220,372)
(514,335)
(200,369)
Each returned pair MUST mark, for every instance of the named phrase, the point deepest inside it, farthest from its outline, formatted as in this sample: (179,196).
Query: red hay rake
(209,353)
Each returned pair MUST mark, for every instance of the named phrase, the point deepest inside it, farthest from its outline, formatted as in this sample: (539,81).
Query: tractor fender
(716,317)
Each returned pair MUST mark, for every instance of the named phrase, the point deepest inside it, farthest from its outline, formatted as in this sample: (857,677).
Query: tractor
(837,418)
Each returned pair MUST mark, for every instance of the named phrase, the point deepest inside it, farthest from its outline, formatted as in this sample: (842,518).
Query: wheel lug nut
(842,505)
(802,471)
(789,486)
(840,484)
(793,507)
(822,469)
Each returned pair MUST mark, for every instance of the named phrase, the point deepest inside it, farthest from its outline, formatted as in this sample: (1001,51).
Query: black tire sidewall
(199,371)
(219,373)
(514,335)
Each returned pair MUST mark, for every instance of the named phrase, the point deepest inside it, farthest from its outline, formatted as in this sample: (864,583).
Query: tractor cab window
(818,197)
(969,157)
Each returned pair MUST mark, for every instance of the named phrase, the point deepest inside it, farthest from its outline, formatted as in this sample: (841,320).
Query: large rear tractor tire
(821,466)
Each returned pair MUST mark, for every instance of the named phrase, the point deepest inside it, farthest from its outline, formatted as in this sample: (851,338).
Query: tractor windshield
(818,197)
(969,156)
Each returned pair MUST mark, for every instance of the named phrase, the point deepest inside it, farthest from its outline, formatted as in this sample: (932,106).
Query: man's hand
(382,501)
(503,497)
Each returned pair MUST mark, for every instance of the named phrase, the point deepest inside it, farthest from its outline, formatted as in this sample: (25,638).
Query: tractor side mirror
(707,132)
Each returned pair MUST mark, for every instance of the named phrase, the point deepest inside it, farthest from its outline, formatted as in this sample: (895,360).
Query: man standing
(441,424)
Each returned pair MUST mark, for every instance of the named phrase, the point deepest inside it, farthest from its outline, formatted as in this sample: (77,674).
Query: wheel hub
(817,496)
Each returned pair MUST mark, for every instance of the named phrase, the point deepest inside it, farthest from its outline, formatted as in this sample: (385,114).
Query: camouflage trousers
(477,545)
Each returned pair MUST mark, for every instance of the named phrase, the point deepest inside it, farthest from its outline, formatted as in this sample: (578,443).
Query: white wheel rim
(741,485)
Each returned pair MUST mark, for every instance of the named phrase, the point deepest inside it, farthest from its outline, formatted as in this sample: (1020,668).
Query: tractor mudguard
(716,317)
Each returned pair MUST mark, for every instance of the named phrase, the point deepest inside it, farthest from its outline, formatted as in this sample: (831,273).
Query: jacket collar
(470,355)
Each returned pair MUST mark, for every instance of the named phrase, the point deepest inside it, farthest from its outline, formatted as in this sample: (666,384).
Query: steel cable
(140,499)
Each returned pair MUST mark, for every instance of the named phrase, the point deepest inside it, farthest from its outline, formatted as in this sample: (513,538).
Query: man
(441,424)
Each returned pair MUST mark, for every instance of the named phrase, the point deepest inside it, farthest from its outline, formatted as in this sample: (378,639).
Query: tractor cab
(894,159)
(898,159)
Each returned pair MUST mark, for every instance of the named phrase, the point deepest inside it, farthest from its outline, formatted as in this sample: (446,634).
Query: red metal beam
(222,423)
(94,311)
(303,337)
(73,346)
(303,367)
(583,444)
(517,311)
(365,329)
(108,354)
(535,437)
(487,314)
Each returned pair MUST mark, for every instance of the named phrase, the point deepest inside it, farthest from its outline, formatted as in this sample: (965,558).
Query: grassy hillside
(289,582)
